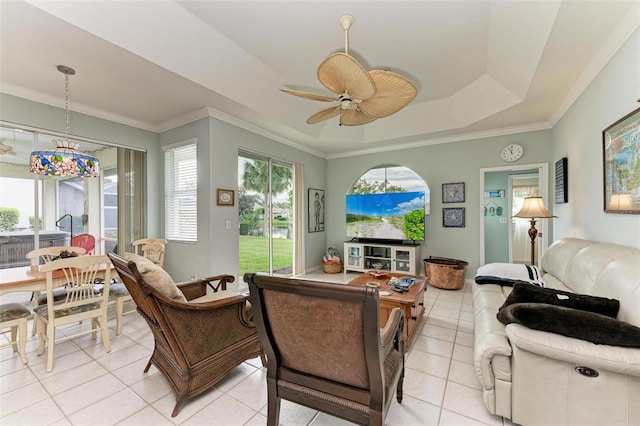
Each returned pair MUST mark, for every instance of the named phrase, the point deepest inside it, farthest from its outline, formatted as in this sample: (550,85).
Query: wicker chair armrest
(203,329)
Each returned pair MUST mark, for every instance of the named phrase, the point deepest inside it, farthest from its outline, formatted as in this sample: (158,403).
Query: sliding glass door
(266,215)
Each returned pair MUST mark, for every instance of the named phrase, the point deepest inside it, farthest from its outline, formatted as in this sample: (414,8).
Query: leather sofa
(535,377)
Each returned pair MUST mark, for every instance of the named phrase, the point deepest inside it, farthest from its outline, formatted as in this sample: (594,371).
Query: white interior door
(520,187)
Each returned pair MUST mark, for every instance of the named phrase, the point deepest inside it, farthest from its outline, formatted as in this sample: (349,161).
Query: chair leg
(105,331)
(178,406)
(94,328)
(399,388)
(51,332)
(119,314)
(14,338)
(273,404)
(34,297)
(40,325)
(22,339)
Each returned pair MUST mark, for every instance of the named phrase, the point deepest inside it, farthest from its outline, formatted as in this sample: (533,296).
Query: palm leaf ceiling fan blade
(312,96)
(325,114)
(394,93)
(342,74)
(355,117)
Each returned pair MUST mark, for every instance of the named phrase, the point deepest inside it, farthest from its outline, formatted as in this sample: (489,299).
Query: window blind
(180,189)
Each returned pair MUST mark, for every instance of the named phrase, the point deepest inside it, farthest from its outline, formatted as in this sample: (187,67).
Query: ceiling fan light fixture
(64,160)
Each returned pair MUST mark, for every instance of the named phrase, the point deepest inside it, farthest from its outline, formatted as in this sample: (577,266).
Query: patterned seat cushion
(13,311)
(118,290)
(59,293)
(42,310)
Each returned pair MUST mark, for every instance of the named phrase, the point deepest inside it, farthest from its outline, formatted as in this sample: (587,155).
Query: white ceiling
(481,67)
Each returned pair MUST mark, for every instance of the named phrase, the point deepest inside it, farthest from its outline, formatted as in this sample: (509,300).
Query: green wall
(436,164)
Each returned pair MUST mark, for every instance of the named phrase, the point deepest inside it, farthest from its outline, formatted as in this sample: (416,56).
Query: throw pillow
(583,325)
(525,293)
(156,277)
(135,257)
(507,274)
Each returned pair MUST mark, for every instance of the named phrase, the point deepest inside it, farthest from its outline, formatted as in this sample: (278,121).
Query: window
(180,187)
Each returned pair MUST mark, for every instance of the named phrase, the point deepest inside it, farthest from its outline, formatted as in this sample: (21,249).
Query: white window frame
(180,186)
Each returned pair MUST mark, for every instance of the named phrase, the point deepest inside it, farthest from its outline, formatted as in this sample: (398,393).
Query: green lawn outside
(254,254)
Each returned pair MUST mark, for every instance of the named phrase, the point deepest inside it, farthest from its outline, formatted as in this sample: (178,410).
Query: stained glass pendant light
(64,160)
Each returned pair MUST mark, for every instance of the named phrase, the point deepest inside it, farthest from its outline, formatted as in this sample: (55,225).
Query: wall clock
(453,217)
(511,152)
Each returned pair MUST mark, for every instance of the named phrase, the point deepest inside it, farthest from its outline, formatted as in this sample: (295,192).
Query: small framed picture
(225,197)
(453,192)
(494,193)
(453,217)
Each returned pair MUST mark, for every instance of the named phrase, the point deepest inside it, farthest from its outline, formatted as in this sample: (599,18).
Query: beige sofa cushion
(156,277)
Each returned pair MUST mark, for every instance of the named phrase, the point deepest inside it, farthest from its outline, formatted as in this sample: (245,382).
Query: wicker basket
(331,268)
(445,273)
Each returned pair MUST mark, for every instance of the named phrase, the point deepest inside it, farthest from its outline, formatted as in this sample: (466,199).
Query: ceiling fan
(362,96)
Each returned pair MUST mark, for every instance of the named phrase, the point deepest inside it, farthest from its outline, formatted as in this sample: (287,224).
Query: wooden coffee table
(411,302)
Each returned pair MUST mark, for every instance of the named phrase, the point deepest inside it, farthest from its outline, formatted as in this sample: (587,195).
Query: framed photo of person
(316,210)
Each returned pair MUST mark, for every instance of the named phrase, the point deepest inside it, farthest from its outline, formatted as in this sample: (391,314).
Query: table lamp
(533,208)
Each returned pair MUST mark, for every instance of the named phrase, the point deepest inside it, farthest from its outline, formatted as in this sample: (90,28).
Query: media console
(363,256)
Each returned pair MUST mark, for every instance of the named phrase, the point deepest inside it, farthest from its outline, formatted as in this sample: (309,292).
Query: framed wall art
(453,217)
(453,192)
(316,210)
(562,187)
(225,197)
(494,193)
(621,155)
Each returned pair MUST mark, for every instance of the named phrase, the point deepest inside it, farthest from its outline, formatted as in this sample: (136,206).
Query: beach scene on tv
(388,216)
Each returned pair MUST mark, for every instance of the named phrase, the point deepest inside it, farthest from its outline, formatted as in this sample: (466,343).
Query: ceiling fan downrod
(345,22)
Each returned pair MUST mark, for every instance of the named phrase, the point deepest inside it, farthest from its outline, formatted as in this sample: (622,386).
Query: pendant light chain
(66,106)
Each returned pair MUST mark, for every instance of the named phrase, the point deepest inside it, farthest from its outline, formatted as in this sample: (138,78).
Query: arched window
(388,202)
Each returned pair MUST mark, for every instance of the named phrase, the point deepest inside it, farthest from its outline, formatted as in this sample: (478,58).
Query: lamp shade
(533,207)
(620,202)
(64,161)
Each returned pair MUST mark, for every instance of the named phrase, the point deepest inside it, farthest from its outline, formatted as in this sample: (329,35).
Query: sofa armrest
(492,354)
(580,352)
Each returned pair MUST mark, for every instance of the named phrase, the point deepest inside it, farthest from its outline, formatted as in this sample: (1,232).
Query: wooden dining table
(27,278)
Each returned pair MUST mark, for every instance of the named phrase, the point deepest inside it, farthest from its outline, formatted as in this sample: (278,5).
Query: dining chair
(14,316)
(45,255)
(86,241)
(152,249)
(82,301)
(325,348)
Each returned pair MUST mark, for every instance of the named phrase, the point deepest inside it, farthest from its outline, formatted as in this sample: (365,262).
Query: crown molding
(46,99)
(621,34)
(448,139)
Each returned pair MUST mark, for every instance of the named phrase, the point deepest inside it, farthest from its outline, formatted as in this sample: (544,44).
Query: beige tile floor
(91,387)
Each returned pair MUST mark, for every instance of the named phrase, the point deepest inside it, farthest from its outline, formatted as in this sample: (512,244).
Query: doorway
(266,215)
(496,244)
(520,186)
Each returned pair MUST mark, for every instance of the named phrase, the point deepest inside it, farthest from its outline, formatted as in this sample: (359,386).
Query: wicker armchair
(325,349)
(199,338)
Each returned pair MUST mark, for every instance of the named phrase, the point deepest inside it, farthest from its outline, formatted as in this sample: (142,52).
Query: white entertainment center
(363,256)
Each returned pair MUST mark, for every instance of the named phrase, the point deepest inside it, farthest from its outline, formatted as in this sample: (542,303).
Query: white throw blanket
(511,272)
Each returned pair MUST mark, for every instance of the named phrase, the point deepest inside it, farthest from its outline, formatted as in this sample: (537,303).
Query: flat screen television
(388,216)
